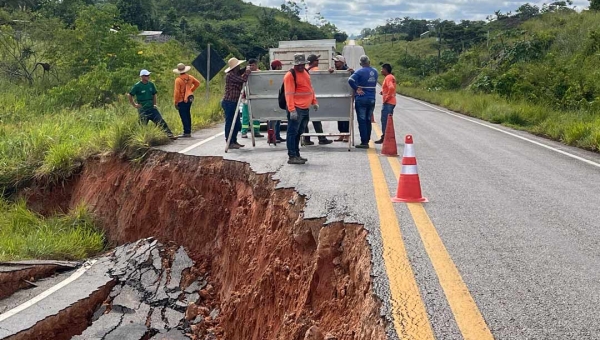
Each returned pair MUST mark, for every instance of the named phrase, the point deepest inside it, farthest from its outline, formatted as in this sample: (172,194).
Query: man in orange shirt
(183,96)
(388,91)
(299,97)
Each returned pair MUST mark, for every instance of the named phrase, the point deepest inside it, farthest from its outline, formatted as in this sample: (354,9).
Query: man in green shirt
(144,92)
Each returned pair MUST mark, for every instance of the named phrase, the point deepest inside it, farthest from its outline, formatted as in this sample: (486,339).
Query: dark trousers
(386,110)
(154,116)
(275,125)
(364,111)
(318,129)
(230,107)
(344,127)
(294,130)
(186,116)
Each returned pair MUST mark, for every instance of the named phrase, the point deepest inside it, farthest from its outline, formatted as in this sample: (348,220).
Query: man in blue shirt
(364,83)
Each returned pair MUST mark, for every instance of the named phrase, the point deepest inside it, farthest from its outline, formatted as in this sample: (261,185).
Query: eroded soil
(272,274)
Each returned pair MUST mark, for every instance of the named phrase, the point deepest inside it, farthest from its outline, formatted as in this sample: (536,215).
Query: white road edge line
(191,147)
(48,292)
(506,132)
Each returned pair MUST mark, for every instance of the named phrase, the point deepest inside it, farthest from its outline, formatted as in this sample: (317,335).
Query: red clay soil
(274,274)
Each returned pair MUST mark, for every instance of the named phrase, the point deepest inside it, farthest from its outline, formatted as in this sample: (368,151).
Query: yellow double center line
(466,313)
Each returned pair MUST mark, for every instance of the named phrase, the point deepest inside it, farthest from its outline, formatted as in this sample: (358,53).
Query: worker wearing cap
(340,65)
(300,97)
(144,92)
(364,84)
(276,65)
(313,65)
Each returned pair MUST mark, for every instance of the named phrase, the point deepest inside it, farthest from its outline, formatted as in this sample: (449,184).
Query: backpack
(281,97)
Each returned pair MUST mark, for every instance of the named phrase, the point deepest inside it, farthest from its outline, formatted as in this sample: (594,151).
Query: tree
(527,11)
(340,36)
(595,5)
(140,13)
(169,23)
(291,9)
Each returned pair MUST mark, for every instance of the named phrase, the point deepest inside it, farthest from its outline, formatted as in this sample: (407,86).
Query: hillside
(231,26)
(537,71)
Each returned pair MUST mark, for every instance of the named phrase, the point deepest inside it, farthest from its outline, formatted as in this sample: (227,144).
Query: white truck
(286,50)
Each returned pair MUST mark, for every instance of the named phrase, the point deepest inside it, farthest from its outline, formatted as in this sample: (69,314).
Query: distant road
(352,54)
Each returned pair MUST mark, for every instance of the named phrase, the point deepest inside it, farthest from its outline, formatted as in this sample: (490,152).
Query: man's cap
(313,57)
(276,63)
(364,59)
(299,59)
(340,58)
(144,73)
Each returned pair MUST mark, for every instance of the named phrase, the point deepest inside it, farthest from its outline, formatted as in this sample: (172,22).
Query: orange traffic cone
(389,147)
(409,185)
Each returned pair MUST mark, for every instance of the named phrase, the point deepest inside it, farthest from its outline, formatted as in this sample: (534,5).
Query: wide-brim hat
(233,63)
(299,59)
(182,68)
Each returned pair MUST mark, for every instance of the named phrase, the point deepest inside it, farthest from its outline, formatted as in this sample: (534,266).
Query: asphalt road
(513,233)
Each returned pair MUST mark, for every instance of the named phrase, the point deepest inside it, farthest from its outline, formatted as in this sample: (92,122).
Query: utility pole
(208,72)
(439,34)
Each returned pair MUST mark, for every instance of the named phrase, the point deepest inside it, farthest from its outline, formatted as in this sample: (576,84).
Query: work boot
(308,142)
(185,135)
(296,160)
(258,135)
(325,141)
(234,146)
(238,144)
(380,141)
(244,135)
(340,139)
(362,146)
(302,158)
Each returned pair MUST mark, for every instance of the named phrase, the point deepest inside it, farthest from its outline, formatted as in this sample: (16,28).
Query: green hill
(537,70)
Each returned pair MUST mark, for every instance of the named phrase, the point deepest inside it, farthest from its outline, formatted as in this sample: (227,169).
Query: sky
(352,16)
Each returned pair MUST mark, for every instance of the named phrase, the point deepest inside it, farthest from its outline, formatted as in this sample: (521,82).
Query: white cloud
(352,16)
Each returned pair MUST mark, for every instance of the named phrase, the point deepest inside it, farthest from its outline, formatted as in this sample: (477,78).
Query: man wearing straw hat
(183,96)
(234,82)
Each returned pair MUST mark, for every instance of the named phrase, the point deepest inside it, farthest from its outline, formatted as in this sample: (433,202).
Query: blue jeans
(154,116)
(294,129)
(230,107)
(387,109)
(185,115)
(364,111)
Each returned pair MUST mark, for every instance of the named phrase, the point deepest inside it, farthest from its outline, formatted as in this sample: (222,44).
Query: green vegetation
(24,234)
(65,69)
(538,71)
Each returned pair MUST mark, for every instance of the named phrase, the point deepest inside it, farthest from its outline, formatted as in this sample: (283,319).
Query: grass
(576,128)
(392,51)
(50,142)
(25,235)
(536,103)
(53,144)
